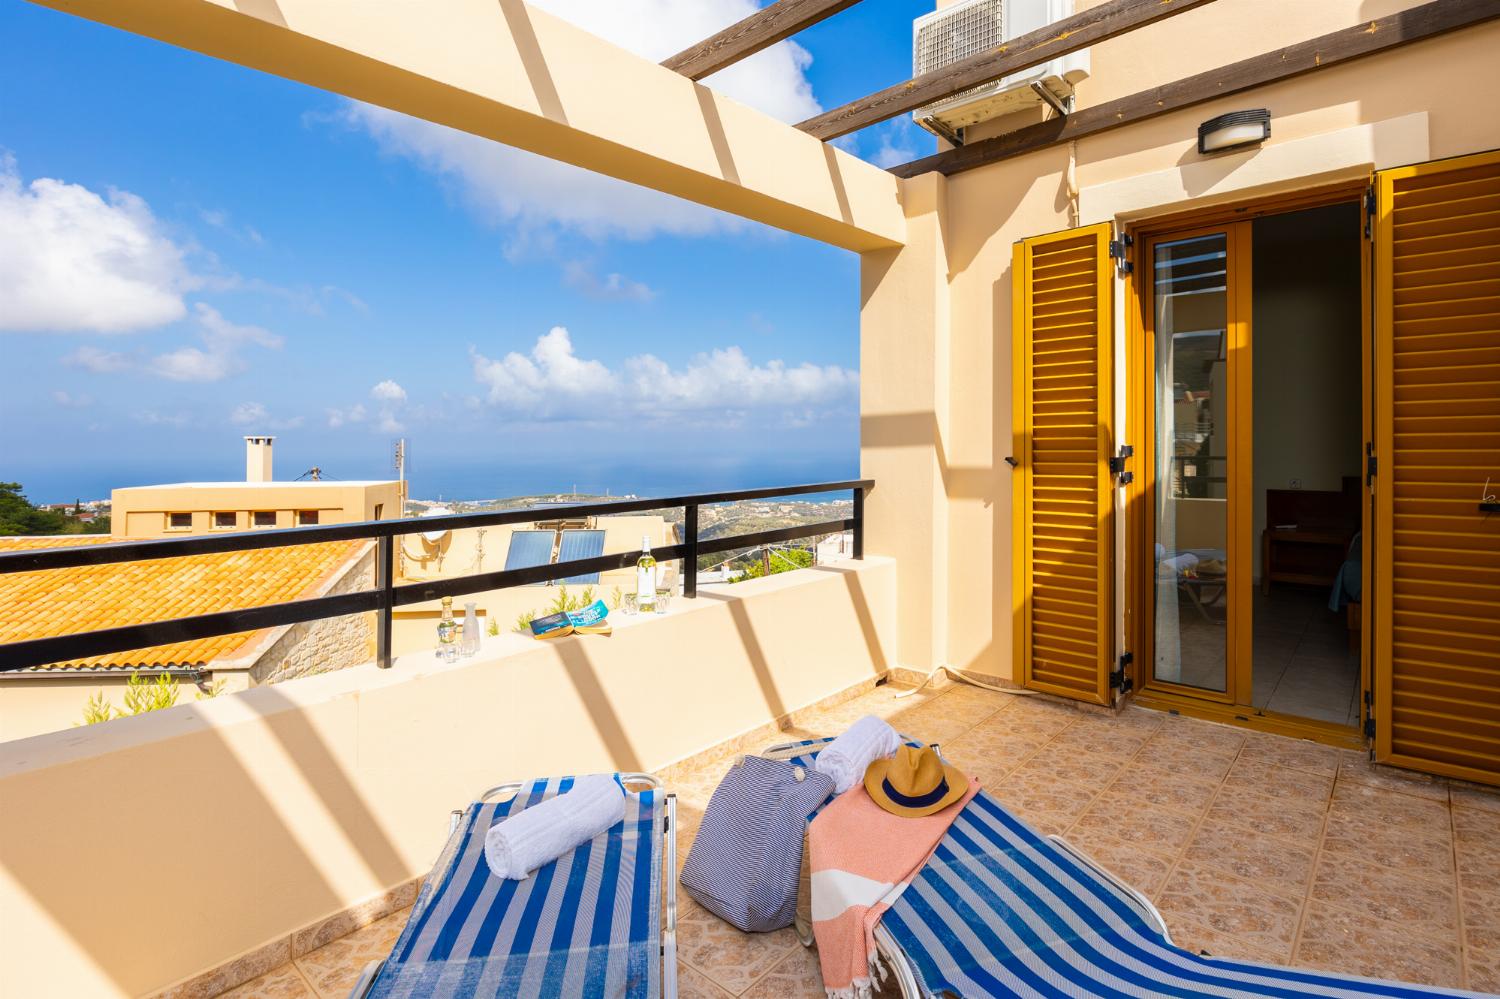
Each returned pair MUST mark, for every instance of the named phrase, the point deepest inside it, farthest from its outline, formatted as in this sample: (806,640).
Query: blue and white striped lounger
(1001,910)
(588,924)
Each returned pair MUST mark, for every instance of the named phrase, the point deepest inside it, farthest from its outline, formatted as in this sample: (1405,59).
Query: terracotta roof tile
(63,601)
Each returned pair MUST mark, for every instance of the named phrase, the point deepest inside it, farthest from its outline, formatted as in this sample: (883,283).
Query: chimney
(258,459)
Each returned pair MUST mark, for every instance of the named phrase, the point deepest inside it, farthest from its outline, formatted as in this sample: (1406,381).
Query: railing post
(690,555)
(859,522)
(385,582)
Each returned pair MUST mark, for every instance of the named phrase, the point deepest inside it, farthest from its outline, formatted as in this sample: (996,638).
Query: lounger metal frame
(896,960)
(632,781)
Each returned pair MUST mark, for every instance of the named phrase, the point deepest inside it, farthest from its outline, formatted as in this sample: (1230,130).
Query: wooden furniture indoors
(1307,534)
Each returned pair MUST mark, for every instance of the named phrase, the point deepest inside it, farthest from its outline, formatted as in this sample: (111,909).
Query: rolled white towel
(846,758)
(542,833)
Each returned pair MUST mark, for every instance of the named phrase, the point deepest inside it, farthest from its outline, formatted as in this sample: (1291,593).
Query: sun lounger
(588,924)
(1001,910)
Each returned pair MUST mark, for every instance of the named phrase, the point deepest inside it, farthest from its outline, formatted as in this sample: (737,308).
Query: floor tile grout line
(1458,900)
(797,947)
(1193,833)
(1317,861)
(302,976)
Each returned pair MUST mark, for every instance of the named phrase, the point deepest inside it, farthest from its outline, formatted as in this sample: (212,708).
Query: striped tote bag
(745,862)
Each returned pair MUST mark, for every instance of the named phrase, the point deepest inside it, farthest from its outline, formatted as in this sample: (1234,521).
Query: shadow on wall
(143,892)
(920,430)
(230,816)
(284,812)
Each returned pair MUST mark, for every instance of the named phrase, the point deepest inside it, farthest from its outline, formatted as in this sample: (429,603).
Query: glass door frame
(1138,387)
(1239,513)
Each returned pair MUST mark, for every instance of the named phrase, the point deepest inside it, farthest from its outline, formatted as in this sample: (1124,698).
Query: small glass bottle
(645,579)
(447,649)
(470,644)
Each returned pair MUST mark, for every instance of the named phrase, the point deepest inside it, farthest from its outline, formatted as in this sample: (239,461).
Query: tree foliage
(19,516)
(782,560)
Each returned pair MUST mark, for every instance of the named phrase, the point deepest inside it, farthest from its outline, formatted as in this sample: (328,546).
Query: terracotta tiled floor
(1251,845)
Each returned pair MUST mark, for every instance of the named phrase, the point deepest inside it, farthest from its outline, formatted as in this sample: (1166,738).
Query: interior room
(1306,318)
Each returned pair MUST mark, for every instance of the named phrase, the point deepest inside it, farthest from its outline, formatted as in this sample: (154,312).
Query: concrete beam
(506,71)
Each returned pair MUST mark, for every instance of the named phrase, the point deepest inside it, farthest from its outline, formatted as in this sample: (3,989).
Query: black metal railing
(386,595)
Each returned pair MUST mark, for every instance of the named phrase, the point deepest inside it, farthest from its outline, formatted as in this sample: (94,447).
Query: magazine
(591,620)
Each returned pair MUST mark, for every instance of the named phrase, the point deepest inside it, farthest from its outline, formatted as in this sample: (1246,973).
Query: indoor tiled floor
(1302,662)
(1251,845)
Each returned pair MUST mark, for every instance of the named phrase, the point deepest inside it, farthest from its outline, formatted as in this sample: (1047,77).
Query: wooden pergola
(785,18)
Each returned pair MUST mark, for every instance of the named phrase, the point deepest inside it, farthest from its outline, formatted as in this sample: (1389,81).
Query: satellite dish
(435,511)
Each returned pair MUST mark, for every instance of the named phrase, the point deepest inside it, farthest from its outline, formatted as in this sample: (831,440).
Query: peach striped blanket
(861,858)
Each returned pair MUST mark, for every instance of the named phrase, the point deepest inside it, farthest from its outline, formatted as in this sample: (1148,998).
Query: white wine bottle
(645,579)
(447,629)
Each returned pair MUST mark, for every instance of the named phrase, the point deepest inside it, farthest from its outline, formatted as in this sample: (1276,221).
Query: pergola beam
(1368,38)
(1079,31)
(760,30)
(511,73)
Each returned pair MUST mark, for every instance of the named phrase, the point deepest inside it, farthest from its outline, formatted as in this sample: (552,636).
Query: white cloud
(339,417)
(388,391)
(218,358)
(99,361)
(727,378)
(552,381)
(73,261)
(391,398)
(67,400)
(773,80)
(254,414)
(538,196)
(219,219)
(897,143)
(151,418)
(550,375)
(611,287)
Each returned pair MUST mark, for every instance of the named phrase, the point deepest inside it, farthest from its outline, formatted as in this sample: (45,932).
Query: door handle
(1012,462)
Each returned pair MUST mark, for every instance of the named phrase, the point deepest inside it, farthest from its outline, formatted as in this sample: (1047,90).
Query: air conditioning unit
(971,27)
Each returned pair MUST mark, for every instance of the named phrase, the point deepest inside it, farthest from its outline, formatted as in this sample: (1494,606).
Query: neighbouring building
(259,502)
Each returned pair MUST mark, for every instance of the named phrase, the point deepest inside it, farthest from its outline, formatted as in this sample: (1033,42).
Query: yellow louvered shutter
(1436,553)
(1064,503)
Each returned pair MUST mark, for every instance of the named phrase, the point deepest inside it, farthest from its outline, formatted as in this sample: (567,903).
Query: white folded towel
(846,758)
(542,833)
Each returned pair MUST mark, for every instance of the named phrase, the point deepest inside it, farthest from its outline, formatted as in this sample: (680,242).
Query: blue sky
(191,251)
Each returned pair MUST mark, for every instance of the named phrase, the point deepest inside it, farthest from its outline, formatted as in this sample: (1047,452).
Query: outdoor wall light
(1233,130)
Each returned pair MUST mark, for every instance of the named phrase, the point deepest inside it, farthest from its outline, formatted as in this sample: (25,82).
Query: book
(591,620)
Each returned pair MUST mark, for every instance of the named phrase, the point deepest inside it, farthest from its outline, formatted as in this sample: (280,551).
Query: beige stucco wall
(298,799)
(32,704)
(141,511)
(936,315)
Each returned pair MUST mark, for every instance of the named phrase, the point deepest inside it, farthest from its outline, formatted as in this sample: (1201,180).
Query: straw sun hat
(914,782)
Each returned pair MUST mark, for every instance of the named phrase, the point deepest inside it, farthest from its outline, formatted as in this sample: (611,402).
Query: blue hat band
(915,801)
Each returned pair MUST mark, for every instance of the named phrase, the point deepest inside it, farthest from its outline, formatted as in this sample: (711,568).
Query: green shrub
(141,696)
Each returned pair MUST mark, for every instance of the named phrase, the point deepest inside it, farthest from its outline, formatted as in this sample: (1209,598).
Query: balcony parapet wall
(217,827)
